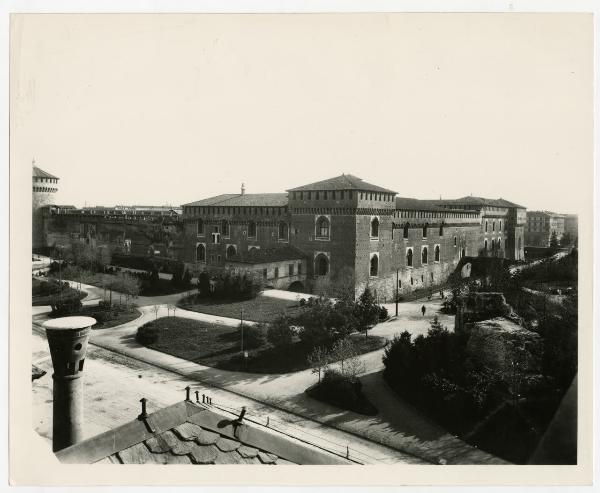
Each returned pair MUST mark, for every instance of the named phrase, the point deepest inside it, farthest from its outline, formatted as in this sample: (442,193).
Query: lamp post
(397,270)
(242,327)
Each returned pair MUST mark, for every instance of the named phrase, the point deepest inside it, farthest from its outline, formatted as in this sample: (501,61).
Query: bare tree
(318,359)
(342,351)
(156,309)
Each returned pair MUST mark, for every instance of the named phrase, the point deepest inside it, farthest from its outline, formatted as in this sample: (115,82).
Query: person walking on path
(423,310)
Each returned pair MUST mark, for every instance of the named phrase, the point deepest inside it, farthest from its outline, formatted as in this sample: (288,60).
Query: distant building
(572,225)
(541,226)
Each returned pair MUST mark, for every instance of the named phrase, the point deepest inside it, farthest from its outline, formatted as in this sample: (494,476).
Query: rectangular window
(276,272)
(291,270)
(325,195)
(342,194)
(317,195)
(309,194)
(265,274)
(299,269)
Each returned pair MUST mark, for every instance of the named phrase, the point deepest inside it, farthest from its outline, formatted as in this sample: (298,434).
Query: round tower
(45,187)
(67,338)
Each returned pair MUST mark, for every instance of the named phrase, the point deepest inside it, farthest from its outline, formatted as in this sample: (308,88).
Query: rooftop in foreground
(189,433)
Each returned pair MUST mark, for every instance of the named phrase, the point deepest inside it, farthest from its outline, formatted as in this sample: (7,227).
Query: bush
(302,302)
(66,307)
(147,335)
(279,333)
(383,313)
(342,391)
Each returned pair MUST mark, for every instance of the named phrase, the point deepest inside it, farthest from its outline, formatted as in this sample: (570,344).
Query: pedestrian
(423,310)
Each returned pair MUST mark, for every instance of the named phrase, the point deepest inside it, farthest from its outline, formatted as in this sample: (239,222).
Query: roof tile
(157,444)
(229,458)
(204,454)
(187,431)
(227,445)
(248,452)
(243,200)
(342,182)
(207,438)
(267,458)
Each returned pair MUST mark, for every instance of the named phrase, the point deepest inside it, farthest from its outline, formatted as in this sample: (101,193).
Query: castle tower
(45,186)
(67,338)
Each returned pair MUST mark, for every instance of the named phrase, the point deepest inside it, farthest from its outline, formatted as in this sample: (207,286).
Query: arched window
(493,225)
(321,265)
(322,228)
(455,241)
(442,229)
(200,227)
(409,257)
(436,253)
(374,265)
(374,227)
(251,229)
(464,252)
(283,231)
(200,253)
(485,245)
(231,251)
(425,226)
(405,231)
(424,255)
(225,227)
(500,225)
(486,226)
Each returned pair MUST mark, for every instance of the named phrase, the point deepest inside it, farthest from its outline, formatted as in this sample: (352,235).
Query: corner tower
(44,189)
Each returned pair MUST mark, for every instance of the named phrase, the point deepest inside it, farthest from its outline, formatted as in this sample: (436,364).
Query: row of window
(432,214)
(493,226)
(241,211)
(341,195)
(290,271)
(224,230)
(424,255)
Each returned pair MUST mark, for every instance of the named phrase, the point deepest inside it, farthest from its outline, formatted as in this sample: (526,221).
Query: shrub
(65,307)
(383,313)
(302,302)
(279,333)
(147,334)
(343,391)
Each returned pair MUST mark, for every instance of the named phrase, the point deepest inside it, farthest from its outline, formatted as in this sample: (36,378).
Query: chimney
(67,338)
(243,189)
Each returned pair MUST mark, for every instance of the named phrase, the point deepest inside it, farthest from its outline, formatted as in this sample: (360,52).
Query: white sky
(154,109)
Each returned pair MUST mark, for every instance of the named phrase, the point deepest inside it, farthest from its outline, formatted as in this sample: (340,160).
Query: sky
(169,109)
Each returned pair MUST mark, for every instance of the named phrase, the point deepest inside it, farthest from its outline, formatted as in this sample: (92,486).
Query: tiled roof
(40,173)
(266,255)
(188,433)
(481,201)
(342,182)
(243,200)
(408,204)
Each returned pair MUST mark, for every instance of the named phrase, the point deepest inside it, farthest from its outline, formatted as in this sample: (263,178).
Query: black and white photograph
(318,239)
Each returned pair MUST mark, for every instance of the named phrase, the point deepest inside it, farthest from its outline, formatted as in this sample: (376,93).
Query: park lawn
(41,298)
(219,346)
(120,317)
(259,309)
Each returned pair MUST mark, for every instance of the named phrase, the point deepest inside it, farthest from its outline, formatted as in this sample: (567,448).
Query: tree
(318,360)
(342,351)
(156,309)
(553,240)
(204,284)
(566,239)
(367,311)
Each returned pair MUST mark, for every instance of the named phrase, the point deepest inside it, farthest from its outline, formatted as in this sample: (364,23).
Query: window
(200,227)
(216,236)
(431,277)
(463,252)
(276,272)
(225,227)
(322,228)
(425,226)
(412,281)
(252,229)
(486,226)
(265,274)
(405,232)
(442,229)
(399,283)
(493,225)
(424,254)
(436,253)
(299,269)
(455,241)
(283,231)
(231,251)
(485,245)
(290,270)
(374,227)
(409,257)
(500,226)
(200,252)
(374,265)
(321,265)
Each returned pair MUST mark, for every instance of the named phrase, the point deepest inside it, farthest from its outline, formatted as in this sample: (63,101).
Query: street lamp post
(242,327)
(397,291)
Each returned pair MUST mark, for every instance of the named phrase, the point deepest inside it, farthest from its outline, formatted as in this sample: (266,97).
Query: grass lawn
(43,293)
(105,321)
(259,309)
(219,346)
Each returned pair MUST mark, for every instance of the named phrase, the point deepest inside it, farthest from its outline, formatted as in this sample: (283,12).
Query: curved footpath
(397,425)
